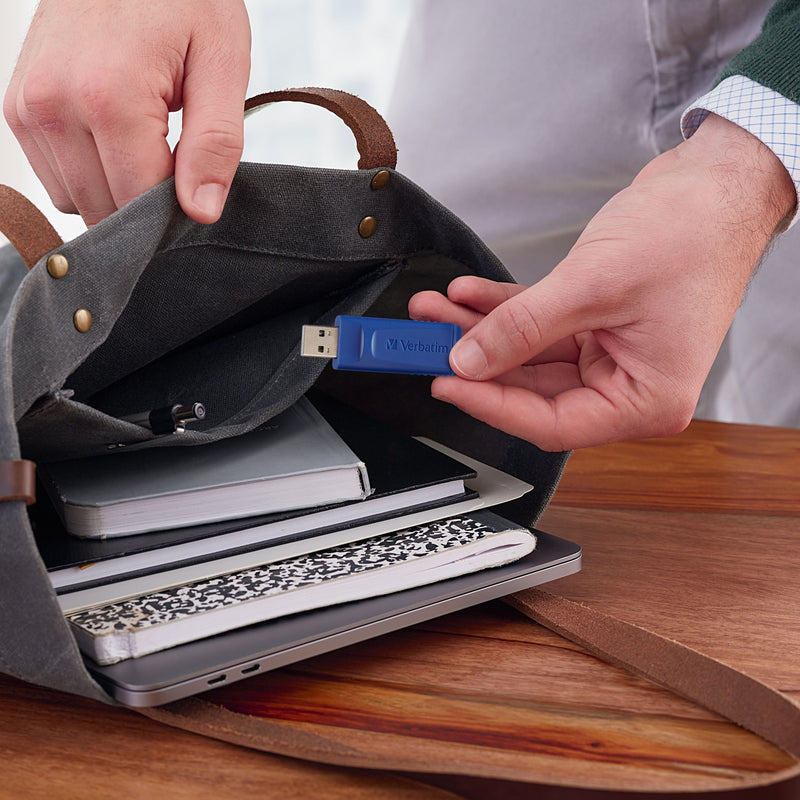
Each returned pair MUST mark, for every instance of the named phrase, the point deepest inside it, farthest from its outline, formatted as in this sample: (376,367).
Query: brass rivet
(380,179)
(367,227)
(57,265)
(82,319)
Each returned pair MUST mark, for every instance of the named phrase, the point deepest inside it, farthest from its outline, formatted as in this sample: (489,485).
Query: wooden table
(485,703)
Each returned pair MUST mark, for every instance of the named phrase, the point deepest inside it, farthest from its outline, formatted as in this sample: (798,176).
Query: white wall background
(14,169)
(345,44)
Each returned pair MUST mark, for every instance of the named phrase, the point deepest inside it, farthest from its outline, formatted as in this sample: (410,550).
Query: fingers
(468,301)
(94,152)
(577,417)
(212,137)
(573,393)
(131,153)
(551,380)
(480,293)
(94,122)
(521,328)
(434,306)
(40,157)
(546,380)
(511,409)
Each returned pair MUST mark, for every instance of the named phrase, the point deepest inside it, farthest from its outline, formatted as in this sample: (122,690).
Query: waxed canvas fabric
(213,313)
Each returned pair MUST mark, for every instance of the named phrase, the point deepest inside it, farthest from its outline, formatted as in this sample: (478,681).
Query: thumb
(212,135)
(521,327)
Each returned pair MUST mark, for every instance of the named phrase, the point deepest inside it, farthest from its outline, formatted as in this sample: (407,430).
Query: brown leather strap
(700,678)
(18,481)
(26,227)
(373,138)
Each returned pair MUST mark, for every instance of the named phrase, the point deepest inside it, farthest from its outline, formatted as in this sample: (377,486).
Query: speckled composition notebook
(377,566)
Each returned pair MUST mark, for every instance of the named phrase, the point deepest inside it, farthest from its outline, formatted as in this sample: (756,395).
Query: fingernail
(468,358)
(209,199)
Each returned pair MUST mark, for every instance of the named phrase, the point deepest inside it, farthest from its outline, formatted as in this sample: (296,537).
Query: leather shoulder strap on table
(18,481)
(26,227)
(698,677)
(373,137)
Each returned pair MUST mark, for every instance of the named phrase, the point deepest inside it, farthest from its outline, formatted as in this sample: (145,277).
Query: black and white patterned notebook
(384,564)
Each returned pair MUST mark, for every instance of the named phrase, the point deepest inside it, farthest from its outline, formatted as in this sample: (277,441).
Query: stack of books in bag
(150,549)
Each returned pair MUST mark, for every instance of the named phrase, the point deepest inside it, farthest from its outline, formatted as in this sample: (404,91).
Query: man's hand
(618,339)
(92,90)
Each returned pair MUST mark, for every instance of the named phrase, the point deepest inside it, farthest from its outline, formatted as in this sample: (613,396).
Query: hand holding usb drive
(373,344)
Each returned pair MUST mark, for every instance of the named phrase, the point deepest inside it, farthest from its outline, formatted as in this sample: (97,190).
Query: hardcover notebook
(296,461)
(377,566)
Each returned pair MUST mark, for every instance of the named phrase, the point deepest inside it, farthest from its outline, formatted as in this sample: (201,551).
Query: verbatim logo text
(416,346)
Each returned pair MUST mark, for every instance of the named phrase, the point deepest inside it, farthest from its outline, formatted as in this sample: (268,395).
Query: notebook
(380,565)
(195,667)
(295,461)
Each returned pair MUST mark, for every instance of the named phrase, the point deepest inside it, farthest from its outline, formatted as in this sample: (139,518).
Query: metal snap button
(82,319)
(57,265)
(367,227)
(380,179)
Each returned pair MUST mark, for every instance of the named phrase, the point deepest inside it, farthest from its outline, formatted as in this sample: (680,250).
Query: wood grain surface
(62,747)
(709,468)
(693,537)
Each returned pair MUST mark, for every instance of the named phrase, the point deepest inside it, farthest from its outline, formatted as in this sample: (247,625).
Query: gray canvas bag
(149,306)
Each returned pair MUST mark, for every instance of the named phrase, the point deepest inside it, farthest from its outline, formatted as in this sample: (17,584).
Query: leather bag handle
(26,227)
(374,139)
(32,235)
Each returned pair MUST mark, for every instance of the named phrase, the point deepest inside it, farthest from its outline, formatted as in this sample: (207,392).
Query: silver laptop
(205,664)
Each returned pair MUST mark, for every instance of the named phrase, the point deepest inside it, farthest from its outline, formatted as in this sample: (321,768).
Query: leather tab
(373,137)
(18,481)
(28,230)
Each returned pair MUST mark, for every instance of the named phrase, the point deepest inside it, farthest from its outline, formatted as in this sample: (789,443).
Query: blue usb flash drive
(373,344)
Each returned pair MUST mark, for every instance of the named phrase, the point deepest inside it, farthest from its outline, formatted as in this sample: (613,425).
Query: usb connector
(373,344)
(321,341)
